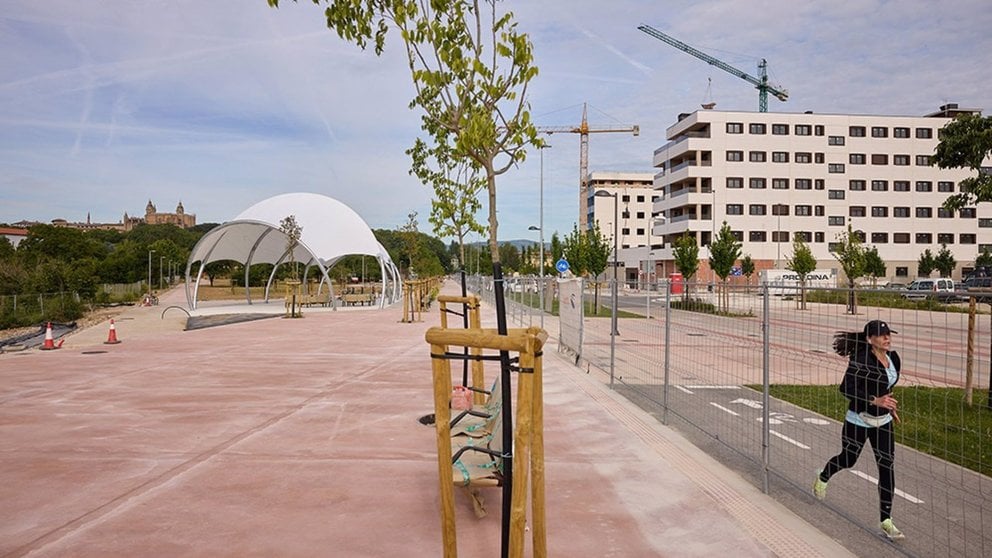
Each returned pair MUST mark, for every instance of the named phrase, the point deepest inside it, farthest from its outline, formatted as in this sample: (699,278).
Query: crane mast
(584,130)
(760,82)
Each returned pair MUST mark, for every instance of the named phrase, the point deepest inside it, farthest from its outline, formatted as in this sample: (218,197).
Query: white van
(940,288)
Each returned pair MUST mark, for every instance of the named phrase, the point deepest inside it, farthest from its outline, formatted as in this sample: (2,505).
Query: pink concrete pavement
(300,438)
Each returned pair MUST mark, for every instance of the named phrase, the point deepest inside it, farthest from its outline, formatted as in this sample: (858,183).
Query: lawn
(935,421)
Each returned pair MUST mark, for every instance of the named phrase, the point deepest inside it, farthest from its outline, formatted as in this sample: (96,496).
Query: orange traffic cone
(49,343)
(112,336)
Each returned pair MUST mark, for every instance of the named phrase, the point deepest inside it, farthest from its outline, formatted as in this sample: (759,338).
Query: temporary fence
(717,366)
(29,309)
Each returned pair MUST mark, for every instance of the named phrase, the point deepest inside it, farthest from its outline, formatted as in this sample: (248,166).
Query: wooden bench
(351,299)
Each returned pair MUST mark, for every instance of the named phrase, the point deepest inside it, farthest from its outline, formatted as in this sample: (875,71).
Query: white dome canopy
(330,231)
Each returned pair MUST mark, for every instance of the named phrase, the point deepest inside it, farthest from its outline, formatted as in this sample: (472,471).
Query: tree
(470,68)
(587,253)
(410,237)
(556,249)
(850,253)
(723,254)
(945,262)
(926,264)
(747,269)
(874,265)
(293,232)
(966,142)
(802,263)
(984,259)
(686,254)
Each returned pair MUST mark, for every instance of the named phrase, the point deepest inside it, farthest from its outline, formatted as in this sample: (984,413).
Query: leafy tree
(587,253)
(850,253)
(874,265)
(6,249)
(510,256)
(293,232)
(556,248)
(802,263)
(966,142)
(723,254)
(747,269)
(410,237)
(686,254)
(945,262)
(926,264)
(470,68)
(984,259)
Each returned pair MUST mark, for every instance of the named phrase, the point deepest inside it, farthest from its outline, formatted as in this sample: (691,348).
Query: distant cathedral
(152,217)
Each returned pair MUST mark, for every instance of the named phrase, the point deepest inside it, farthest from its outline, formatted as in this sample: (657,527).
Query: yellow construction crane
(584,130)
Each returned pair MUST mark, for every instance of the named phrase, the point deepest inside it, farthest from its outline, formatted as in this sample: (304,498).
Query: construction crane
(760,82)
(584,130)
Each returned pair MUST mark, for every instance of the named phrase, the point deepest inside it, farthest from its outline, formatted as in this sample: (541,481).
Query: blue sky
(222,103)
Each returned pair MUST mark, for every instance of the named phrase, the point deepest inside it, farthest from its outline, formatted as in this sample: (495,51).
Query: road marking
(816,421)
(790,440)
(748,403)
(713,387)
(722,408)
(873,480)
(680,388)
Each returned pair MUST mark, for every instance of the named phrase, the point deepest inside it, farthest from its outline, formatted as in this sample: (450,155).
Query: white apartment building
(772,176)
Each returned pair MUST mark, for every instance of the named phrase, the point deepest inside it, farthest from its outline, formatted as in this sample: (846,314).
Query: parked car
(893,286)
(941,289)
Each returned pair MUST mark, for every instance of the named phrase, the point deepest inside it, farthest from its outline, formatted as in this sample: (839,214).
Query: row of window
(945,186)
(805,210)
(856,185)
(876,237)
(757,128)
(805,157)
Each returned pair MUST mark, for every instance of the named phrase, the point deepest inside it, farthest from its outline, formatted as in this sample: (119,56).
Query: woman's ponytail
(846,343)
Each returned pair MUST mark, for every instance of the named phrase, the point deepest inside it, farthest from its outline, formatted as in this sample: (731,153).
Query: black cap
(875,328)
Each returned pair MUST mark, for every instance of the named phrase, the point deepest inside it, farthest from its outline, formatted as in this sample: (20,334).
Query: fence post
(668,349)
(765,396)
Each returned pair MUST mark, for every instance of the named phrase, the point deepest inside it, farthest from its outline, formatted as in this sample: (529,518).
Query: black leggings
(882,444)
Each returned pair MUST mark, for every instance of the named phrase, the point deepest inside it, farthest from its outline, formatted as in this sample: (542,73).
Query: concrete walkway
(300,437)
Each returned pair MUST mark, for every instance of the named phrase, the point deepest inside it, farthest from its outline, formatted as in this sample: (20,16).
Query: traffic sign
(562,265)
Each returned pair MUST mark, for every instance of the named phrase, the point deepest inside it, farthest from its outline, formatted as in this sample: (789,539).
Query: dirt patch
(89,319)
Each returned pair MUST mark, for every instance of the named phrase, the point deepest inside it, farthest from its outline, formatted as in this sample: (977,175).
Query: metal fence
(709,364)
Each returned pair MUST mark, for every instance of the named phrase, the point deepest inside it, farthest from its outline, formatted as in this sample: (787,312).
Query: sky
(219,104)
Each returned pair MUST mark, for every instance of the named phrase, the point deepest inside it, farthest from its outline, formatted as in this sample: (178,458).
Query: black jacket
(866,378)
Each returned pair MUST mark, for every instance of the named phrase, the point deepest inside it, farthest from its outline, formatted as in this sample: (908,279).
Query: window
(819,211)
(856,211)
(835,168)
(835,140)
(924,186)
(756,129)
(900,186)
(640,199)
(879,132)
(757,184)
(804,130)
(780,209)
(902,271)
(982,248)
(856,185)
(985,223)
(780,236)
(735,127)
(756,156)
(900,238)
(945,186)
(735,182)
(924,212)
(818,158)
(819,236)
(967,213)
(640,214)
(780,184)
(803,184)
(945,238)
(835,220)
(735,155)
(804,157)
(900,132)
(756,236)
(780,129)
(879,159)
(923,160)
(924,133)
(856,131)
(738,235)
(944,213)
(625,231)
(820,183)
(735,209)
(805,236)
(879,185)
(818,129)
(804,210)
(879,211)
(967,238)
(625,213)
(900,212)
(856,158)
(640,231)
(900,160)
(780,156)
(879,238)
(835,194)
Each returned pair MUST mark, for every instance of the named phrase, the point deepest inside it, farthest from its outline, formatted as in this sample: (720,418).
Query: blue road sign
(562,265)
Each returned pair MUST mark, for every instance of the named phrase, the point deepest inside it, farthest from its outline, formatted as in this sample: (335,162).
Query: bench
(351,299)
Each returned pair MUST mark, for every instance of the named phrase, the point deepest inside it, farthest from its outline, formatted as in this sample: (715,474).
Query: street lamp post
(540,288)
(161,260)
(150,252)
(616,260)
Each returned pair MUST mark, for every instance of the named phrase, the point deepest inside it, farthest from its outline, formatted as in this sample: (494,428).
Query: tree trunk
(493,224)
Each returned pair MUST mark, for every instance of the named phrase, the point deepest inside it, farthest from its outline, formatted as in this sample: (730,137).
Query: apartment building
(775,176)
(635,206)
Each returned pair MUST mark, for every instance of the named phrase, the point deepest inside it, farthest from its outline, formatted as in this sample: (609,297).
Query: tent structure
(330,231)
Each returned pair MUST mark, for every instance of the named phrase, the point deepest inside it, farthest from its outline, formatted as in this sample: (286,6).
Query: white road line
(680,388)
(790,440)
(713,387)
(722,408)
(873,480)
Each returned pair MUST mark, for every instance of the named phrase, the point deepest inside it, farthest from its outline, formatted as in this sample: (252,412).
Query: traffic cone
(49,343)
(112,336)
